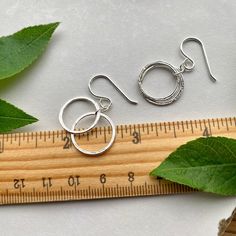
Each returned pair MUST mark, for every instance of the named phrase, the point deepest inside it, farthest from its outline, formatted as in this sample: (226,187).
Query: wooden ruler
(45,167)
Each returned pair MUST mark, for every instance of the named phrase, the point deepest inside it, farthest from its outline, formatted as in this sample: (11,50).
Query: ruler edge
(186,190)
(120,126)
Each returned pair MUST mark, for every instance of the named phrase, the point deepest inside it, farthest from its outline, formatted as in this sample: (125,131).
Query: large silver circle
(97,114)
(174,95)
(102,150)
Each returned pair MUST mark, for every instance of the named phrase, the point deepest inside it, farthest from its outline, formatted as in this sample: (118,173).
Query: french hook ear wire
(102,99)
(188,59)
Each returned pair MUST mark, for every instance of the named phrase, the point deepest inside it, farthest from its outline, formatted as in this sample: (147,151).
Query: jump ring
(174,95)
(97,114)
(188,64)
(102,150)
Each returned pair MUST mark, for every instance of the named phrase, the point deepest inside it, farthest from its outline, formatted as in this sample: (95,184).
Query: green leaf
(19,50)
(207,164)
(12,117)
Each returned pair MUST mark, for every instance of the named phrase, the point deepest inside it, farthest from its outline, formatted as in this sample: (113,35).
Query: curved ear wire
(188,59)
(103,99)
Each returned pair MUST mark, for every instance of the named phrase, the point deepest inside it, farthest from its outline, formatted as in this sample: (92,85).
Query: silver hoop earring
(103,105)
(97,114)
(187,65)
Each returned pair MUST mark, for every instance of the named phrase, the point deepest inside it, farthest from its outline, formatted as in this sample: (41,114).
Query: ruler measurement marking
(160,125)
(234,121)
(222,122)
(117,129)
(100,130)
(165,127)
(191,124)
(117,190)
(227,125)
(134,128)
(96,132)
(44,136)
(36,140)
(140,138)
(156,129)
(177,123)
(204,122)
(89,191)
(105,134)
(218,125)
(126,129)
(28,137)
(200,123)
(147,128)
(209,125)
(182,124)
(108,130)
(112,193)
(152,127)
(186,122)
(213,122)
(128,192)
(230,120)
(18,139)
(121,129)
(143,128)
(2,145)
(145,187)
(53,137)
(7,194)
(174,130)
(130,130)
(169,125)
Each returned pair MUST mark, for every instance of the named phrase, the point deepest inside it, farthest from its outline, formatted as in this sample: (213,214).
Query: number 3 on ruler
(136,138)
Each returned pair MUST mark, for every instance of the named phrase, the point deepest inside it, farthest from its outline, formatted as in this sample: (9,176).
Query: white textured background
(118,38)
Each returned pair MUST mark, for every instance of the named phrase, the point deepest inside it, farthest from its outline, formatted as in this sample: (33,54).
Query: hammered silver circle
(174,95)
(97,114)
(102,150)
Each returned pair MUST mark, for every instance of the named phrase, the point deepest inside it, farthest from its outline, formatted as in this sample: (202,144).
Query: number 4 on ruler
(206,132)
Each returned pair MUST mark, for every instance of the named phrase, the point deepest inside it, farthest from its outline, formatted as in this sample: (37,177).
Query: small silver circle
(102,150)
(174,95)
(97,114)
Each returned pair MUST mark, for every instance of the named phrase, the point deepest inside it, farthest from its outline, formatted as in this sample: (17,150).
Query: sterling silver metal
(187,65)
(97,114)
(104,104)
(102,150)
(188,59)
(174,95)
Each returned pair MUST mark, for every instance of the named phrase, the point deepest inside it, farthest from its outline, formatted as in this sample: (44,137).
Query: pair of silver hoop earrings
(105,103)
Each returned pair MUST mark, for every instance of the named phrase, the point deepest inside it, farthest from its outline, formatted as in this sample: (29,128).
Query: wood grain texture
(231,229)
(44,166)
